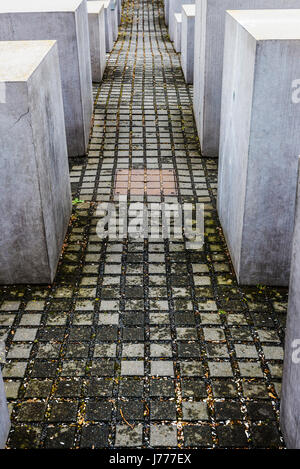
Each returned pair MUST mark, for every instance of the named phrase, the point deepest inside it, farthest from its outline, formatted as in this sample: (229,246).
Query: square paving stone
(260,411)
(63,411)
(133,350)
(130,410)
(254,390)
(162,368)
(60,437)
(194,388)
(133,333)
(163,435)
(183,319)
(132,368)
(232,436)
(197,436)
(99,387)
(38,388)
(162,410)
(217,350)
(24,437)
(77,350)
(245,351)
(160,333)
(131,387)
(68,387)
(73,368)
(161,350)
(12,389)
(44,369)
(108,318)
(30,319)
(107,333)
(51,333)
(31,411)
(19,351)
(186,333)
(94,436)
(133,318)
(220,369)
(105,350)
(224,388)
(188,350)
(159,318)
(266,435)
(161,387)
(79,333)
(250,369)
(191,368)
(48,350)
(103,368)
(25,335)
(228,410)
(194,411)
(129,437)
(98,410)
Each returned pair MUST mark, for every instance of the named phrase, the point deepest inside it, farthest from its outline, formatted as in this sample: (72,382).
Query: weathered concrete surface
(119,11)
(108,25)
(114,16)
(259,143)
(209,42)
(166,10)
(177,32)
(97,39)
(187,41)
(34,176)
(4,415)
(175,7)
(290,397)
(67,22)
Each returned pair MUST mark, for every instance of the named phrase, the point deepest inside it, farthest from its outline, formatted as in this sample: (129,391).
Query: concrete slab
(259,143)
(208,63)
(177,32)
(97,39)
(65,21)
(166,11)
(290,398)
(119,11)
(187,41)
(34,175)
(109,41)
(175,7)
(4,415)
(114,16)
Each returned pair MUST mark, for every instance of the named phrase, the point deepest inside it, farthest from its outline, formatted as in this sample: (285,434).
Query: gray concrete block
(175,7)
(290,396)
(259,143)
(119,11)
(114,16)
(34,175)
(166,10)
(4,415)
(65,21)
(97,39)
(177,32)
(208,63)
(109,41)
(187,41)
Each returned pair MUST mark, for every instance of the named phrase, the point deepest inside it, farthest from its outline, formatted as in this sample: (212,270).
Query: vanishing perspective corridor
(143,343)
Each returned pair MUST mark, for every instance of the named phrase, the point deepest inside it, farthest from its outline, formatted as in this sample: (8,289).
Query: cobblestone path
(145,344)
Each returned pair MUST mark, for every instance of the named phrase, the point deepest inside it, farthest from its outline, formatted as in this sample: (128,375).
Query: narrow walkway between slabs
(143,343)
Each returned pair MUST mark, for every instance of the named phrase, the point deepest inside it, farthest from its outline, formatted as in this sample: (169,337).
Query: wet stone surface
(143,344)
